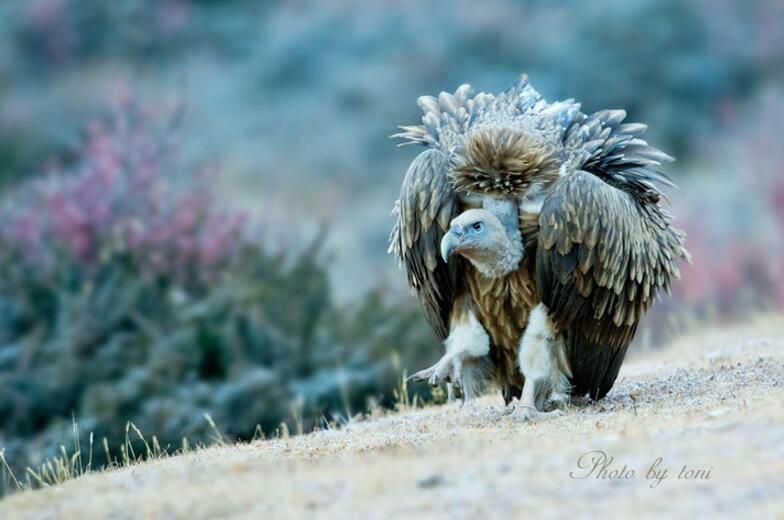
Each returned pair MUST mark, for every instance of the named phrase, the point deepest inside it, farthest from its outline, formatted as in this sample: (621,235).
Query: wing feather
(603,253)
(426,206)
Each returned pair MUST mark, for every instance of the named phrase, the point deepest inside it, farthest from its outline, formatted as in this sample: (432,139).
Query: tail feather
(594,368)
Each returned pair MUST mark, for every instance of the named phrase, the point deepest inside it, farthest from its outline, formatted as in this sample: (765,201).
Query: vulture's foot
(530,413)
(465,376)
(466,367)
(449,369)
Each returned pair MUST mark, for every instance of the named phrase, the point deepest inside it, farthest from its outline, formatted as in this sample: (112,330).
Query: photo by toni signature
(598,465)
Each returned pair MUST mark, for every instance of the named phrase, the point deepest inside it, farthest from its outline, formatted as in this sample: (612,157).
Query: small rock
(431,481)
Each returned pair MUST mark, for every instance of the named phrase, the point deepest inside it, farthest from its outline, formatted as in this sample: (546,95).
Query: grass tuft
(70,464)
(75,462)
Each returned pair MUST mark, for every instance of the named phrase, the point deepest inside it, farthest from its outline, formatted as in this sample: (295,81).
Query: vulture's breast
(503,304)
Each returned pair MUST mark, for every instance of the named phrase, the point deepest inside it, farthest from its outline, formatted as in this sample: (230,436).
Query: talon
(449,371)
(450,394)
(422,375)
(436,374)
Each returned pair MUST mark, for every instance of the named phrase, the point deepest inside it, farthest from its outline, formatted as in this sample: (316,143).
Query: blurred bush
(126,294)
(732,208)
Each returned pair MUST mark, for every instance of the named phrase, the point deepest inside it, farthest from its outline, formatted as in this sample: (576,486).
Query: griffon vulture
(535,240)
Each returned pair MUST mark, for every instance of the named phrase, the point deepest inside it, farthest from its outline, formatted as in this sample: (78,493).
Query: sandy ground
(710,407)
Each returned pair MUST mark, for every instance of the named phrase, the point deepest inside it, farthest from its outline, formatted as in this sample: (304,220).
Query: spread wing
(604,251)
(427,204)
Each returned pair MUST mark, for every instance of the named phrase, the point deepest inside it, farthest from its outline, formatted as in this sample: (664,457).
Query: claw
(450,394)
(458,389)
(422,375)
(448,370)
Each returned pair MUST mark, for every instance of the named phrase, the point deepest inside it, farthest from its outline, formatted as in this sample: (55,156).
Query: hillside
(712,401)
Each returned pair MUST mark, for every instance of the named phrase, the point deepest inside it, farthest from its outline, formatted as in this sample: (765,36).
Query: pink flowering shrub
(120,200)
(733,214)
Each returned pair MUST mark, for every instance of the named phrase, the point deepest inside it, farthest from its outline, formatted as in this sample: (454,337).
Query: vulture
(534,237)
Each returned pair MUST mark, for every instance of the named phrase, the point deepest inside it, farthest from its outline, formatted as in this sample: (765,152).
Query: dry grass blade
(216,436)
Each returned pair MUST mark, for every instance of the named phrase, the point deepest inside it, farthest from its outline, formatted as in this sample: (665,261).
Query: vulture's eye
(477,226)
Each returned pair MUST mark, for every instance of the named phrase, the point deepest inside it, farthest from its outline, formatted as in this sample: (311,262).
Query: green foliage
(121,346)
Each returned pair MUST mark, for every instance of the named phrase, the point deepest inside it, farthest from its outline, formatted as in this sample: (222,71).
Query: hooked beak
(449,243)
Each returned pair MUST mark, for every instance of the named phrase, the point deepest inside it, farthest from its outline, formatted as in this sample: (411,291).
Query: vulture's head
(494,247)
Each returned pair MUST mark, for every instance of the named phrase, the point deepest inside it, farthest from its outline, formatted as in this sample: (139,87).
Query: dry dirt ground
(709,407)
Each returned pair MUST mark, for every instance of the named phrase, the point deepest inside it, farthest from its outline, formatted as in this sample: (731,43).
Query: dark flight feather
(427,204)
(598,305)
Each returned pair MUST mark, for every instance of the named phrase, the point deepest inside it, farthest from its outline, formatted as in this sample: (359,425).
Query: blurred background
(195,194)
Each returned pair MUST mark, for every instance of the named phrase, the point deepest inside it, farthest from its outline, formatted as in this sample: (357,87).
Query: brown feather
(502,306)
(502,161)
(598,280)
(427,204)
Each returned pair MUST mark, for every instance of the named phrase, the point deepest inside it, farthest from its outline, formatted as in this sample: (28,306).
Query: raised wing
(603,252)
(427,204)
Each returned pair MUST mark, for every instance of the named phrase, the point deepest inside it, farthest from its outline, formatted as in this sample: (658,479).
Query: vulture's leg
(465,363)
(544,366)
